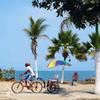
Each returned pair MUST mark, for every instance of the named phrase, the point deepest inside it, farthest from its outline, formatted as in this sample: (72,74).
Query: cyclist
(30,73)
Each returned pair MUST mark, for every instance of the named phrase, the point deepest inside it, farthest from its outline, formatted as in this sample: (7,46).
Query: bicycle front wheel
(17,87)
(36,87)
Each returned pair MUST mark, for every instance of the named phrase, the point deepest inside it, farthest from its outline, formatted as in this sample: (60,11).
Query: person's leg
(29,81)
(72,82)
(75,82)
(26,79)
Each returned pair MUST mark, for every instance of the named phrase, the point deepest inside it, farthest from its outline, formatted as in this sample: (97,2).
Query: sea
(46,75)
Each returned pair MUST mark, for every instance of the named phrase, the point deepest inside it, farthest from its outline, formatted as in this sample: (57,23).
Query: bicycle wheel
(17,87)
(56,89)
(36,87)
(41,81)
(52,87)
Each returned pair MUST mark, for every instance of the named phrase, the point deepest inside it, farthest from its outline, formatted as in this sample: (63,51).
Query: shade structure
(55,63)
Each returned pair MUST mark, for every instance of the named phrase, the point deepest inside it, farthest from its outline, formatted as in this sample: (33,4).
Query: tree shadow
(90,92)
(62,91)
(27,92)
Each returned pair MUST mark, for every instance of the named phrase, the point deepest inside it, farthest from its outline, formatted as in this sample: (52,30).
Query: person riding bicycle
(28,71)
(36,86)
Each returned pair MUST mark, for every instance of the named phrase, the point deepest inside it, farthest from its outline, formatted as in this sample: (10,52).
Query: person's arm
(77,76)
(25,72)
(73,77)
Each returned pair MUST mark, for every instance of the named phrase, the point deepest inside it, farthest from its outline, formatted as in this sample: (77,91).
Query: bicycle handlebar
(21,77)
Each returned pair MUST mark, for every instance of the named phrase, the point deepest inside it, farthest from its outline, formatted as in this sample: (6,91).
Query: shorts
(74,80)
(29,77)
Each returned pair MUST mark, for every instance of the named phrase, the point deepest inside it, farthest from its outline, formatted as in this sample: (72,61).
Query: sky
(15,45)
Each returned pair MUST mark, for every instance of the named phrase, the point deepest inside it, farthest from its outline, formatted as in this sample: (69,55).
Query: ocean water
(67,75)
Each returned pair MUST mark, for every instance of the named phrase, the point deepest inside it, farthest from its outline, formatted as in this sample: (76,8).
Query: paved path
(5,94)
(66,93)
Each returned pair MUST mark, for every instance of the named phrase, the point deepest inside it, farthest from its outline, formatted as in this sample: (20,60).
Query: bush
(9,75)
(0,74)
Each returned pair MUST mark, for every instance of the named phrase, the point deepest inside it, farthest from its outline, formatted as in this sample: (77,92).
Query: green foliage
(35,31)
(81,11)
(9,74)
(93,45)
(95,40)
(81,53)
(36,27)
(66,44)
(0,73)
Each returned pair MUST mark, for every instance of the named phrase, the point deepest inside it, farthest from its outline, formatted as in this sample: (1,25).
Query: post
(36,69)
(62,77)
(97,64)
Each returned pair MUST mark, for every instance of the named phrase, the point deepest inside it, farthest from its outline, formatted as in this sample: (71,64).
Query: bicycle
(34,86)
(53,86)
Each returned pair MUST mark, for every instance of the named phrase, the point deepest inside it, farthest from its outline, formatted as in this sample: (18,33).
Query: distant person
(29,72)
(75,78)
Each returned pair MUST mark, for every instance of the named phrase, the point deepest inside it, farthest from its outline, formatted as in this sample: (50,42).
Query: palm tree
(93,48)
(35,32)
(66,22)
(66,43)
(86,11)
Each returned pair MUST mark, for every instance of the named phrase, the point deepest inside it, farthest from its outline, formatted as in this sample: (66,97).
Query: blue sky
(15,44)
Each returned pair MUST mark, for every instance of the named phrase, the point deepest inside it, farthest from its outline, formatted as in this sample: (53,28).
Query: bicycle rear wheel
(41,81)
(36,87)
(17,87)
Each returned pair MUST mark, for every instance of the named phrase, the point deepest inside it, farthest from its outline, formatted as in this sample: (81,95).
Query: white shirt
(31,70)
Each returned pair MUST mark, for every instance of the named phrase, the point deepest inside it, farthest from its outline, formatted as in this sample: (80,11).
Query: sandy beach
(67,92)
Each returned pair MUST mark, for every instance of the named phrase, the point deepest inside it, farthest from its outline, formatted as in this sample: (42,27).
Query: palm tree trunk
(97,28)
(33,48)
(36,67)
(62,77)
(97,65)
(97,62)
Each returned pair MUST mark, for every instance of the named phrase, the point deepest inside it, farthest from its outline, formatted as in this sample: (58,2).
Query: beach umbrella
(54,63)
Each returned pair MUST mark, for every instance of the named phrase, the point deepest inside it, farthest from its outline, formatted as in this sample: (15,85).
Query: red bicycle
(34,86)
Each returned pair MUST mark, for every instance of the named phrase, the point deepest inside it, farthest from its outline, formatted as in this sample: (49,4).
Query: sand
(67,92)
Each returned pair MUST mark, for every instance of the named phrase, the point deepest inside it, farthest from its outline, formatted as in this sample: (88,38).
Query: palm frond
(50,56)
(31,21)
(81,57)
(36,27)
(66,22)
(55,41)
(42,28)
(35,30)
(44,36)
(28,32)
(53,49)
(40,21)
(87,46)
(66,42)
(51,52)
(95,40)
(92,53)
(75,39)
